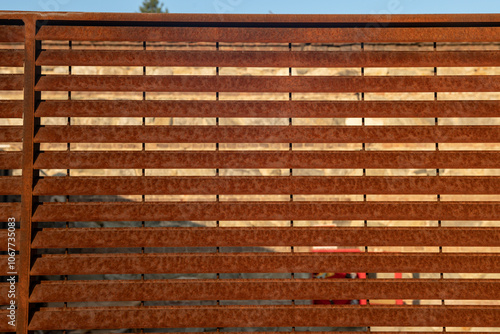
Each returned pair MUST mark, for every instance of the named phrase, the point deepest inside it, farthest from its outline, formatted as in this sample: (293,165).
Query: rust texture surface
(187,173)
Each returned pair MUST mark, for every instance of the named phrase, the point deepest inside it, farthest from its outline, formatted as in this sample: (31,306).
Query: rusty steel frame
(32,28)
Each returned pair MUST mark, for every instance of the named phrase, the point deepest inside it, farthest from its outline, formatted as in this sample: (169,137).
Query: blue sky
(266,6)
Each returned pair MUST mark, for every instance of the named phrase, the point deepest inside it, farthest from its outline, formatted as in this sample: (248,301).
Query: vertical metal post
(217,171)
(290,124)
(29,174)
(143,171)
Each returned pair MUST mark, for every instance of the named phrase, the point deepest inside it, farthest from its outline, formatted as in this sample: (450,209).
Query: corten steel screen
(200,172)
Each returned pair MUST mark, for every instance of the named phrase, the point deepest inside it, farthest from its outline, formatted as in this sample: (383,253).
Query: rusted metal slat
(268,236)
(264,316)
(13,58)
(11,109)
(179,211)
(8,210)
(5,271)
(270,159)
(192,83)
(284,109)
(4,243)
(269,35)
(10,160)
(11,33)
(266,19)
(257,289)
(11,81)
(4,290)
(31,72)
(159,263)
(258,134)
(10,185)
(267,59)
(158,185)
(11,134)
(4,326)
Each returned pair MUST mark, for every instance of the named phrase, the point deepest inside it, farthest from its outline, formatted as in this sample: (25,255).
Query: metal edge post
(28,173)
